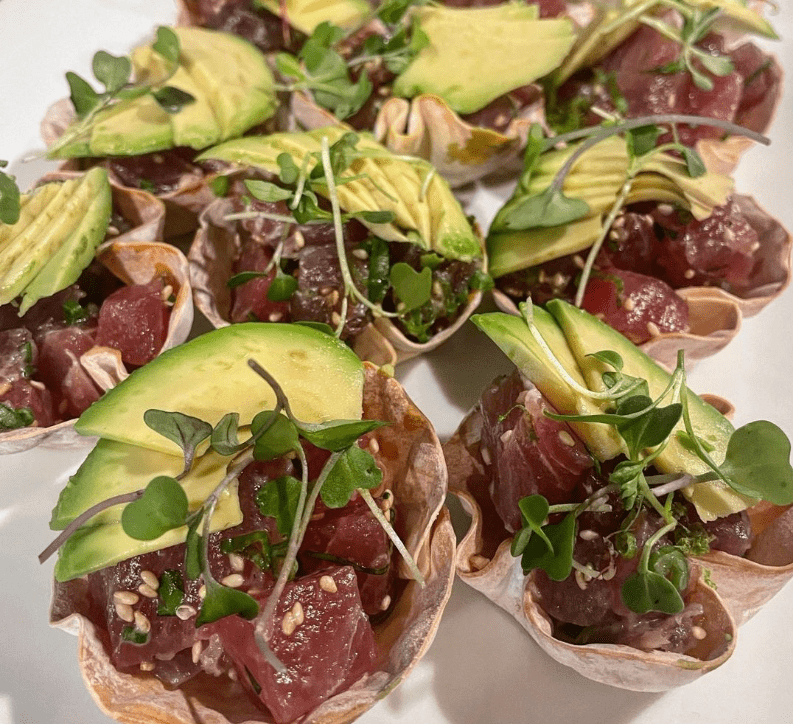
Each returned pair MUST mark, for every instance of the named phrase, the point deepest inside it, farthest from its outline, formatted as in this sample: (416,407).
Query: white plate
(482,667)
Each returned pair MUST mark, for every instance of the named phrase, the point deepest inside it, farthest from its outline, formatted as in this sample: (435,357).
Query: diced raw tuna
(762,82)
(158,172)
(31,394)
(134,320)
(326,643)
(250,299)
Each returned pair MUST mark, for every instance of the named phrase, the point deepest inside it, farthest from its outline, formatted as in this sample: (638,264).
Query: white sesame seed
(559,279)
(185,611)
(385,603)
(196,651)
(142,623)
(689,273)
(124,612)
(437,289)
(325,291)
(588,535)
(506,436)
(333,298)
(128,597)
(578,260)
(167,290)
(698,632)
(652,328)
(112,231)
(754,247)
(566,438)
(202,592)
(275,316)
(335,318)
(501,119)
(386,503)
(619,222)
(37,385)
(5,387)
(235,580)
(232,674)
(328,584)
(237,562)
(485,453)
(542,277)
(150,579)
(297,613)
(146,590)
(360,254)
(300,240)
(729,234)
(374,446)
(614,235)
(629,304)
(665,209)
(147,666)
(288,624)
(580,580)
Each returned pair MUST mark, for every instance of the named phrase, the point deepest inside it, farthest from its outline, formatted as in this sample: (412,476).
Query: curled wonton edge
(715,315)
(417,475)
(211,258)
(743,585)
(182,205)
(134,262)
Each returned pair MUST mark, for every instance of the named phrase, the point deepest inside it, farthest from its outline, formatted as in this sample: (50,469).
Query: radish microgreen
(9,197)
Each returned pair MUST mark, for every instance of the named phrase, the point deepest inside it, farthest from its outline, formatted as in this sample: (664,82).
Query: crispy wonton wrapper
(414,469)
(484,562)
(715,315)
(182,205)
(212,255)
(134,262)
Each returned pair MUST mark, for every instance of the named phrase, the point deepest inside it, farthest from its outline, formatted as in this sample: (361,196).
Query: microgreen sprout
(9,197)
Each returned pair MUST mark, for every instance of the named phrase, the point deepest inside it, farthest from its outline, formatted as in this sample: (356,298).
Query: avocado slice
(228,77)
(68,227)
(103,542)
(78,249)
(477,54)
(305,15)
(587,335)
(208,377)
(426,212)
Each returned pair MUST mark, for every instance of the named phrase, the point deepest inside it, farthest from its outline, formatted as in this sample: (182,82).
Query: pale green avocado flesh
(232,86)
(305,15)
(477,54)
(60,226)
(424,207)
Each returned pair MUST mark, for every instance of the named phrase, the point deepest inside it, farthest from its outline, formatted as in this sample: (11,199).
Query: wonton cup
(134,262)
(715,315)
(212,255)
(414,469)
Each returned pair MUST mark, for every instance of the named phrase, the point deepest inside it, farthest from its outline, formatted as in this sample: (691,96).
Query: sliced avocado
(209,376)
(425,210)
(228,77)
(305,15)
(30,207)
(587,335)
(77,251)
(477,54)
(26,253)
(512,335)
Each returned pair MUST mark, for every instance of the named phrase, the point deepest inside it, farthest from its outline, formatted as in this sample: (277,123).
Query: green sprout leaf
(224,438)
(650,429)
(84,98)
(379,265)
(133,636)
(647,591)
(73,312)
(267,191)
(641,141)
(172,99)
(278,499)
(279,438)
(192,554)
(221,601)
(220,186)
(170,593)
(13,418)
(282,287)
(111,71)
(553,553)
(254,546)
(167,44)
(162,507)
(694,163)
(544,210)
(670,562)
(244,277)
(609,357)
(186,431)
(336,435)
(354,469)
(534,511)
(9,198)
(411,287)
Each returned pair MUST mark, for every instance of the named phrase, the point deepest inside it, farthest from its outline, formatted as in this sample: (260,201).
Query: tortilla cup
(212,255)
(134,262)
(485,563)
(416,473)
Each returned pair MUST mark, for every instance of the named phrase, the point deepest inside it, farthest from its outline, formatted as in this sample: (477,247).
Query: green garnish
(9,197)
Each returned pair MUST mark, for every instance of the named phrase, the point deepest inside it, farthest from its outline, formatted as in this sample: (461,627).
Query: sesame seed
(601,316)
(610,572)
(580,580)
(185,611)
(288,624)
(297,613)
(401,307)
(387,502)
(501,119)
(729,234)
(158,158)
(232,674)
(652,328)
(374,446)
(629,304)
(237,562)
(335,318)
(614,235)
(147,666)
(559,279)
(146,590)
(361,254)
(506,436)
(437,289)
(384,90)
(328,584)
(235,580)
(325,291)
(513,292)
(128,597)
(478,562)
(124,612)
(542,277)
(167,290)
(142,623)
(754,247)
(698,632)
(202,592)
(196,651)
(112,231)
(485,453)
(385,603)
(588,535)
(300,240)
(566,438)
(36,384)
(333,298)
(275,316)
(578,260)
(150,579)
(689,273)
(619,222)
(5,387)
(665,209)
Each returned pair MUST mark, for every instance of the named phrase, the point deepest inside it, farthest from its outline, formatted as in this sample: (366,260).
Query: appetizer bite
(328,226)
(300,573)
(646,236)
(601,490)
(192,88)
(85,295)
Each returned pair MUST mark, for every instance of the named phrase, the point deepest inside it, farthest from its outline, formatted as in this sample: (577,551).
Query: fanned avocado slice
(305,15)
(477,54)
(229,79)
(425,210)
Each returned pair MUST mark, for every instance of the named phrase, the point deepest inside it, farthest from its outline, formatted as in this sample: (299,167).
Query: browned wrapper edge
(501,579)
(211,257)
(134,262)
(419,481)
